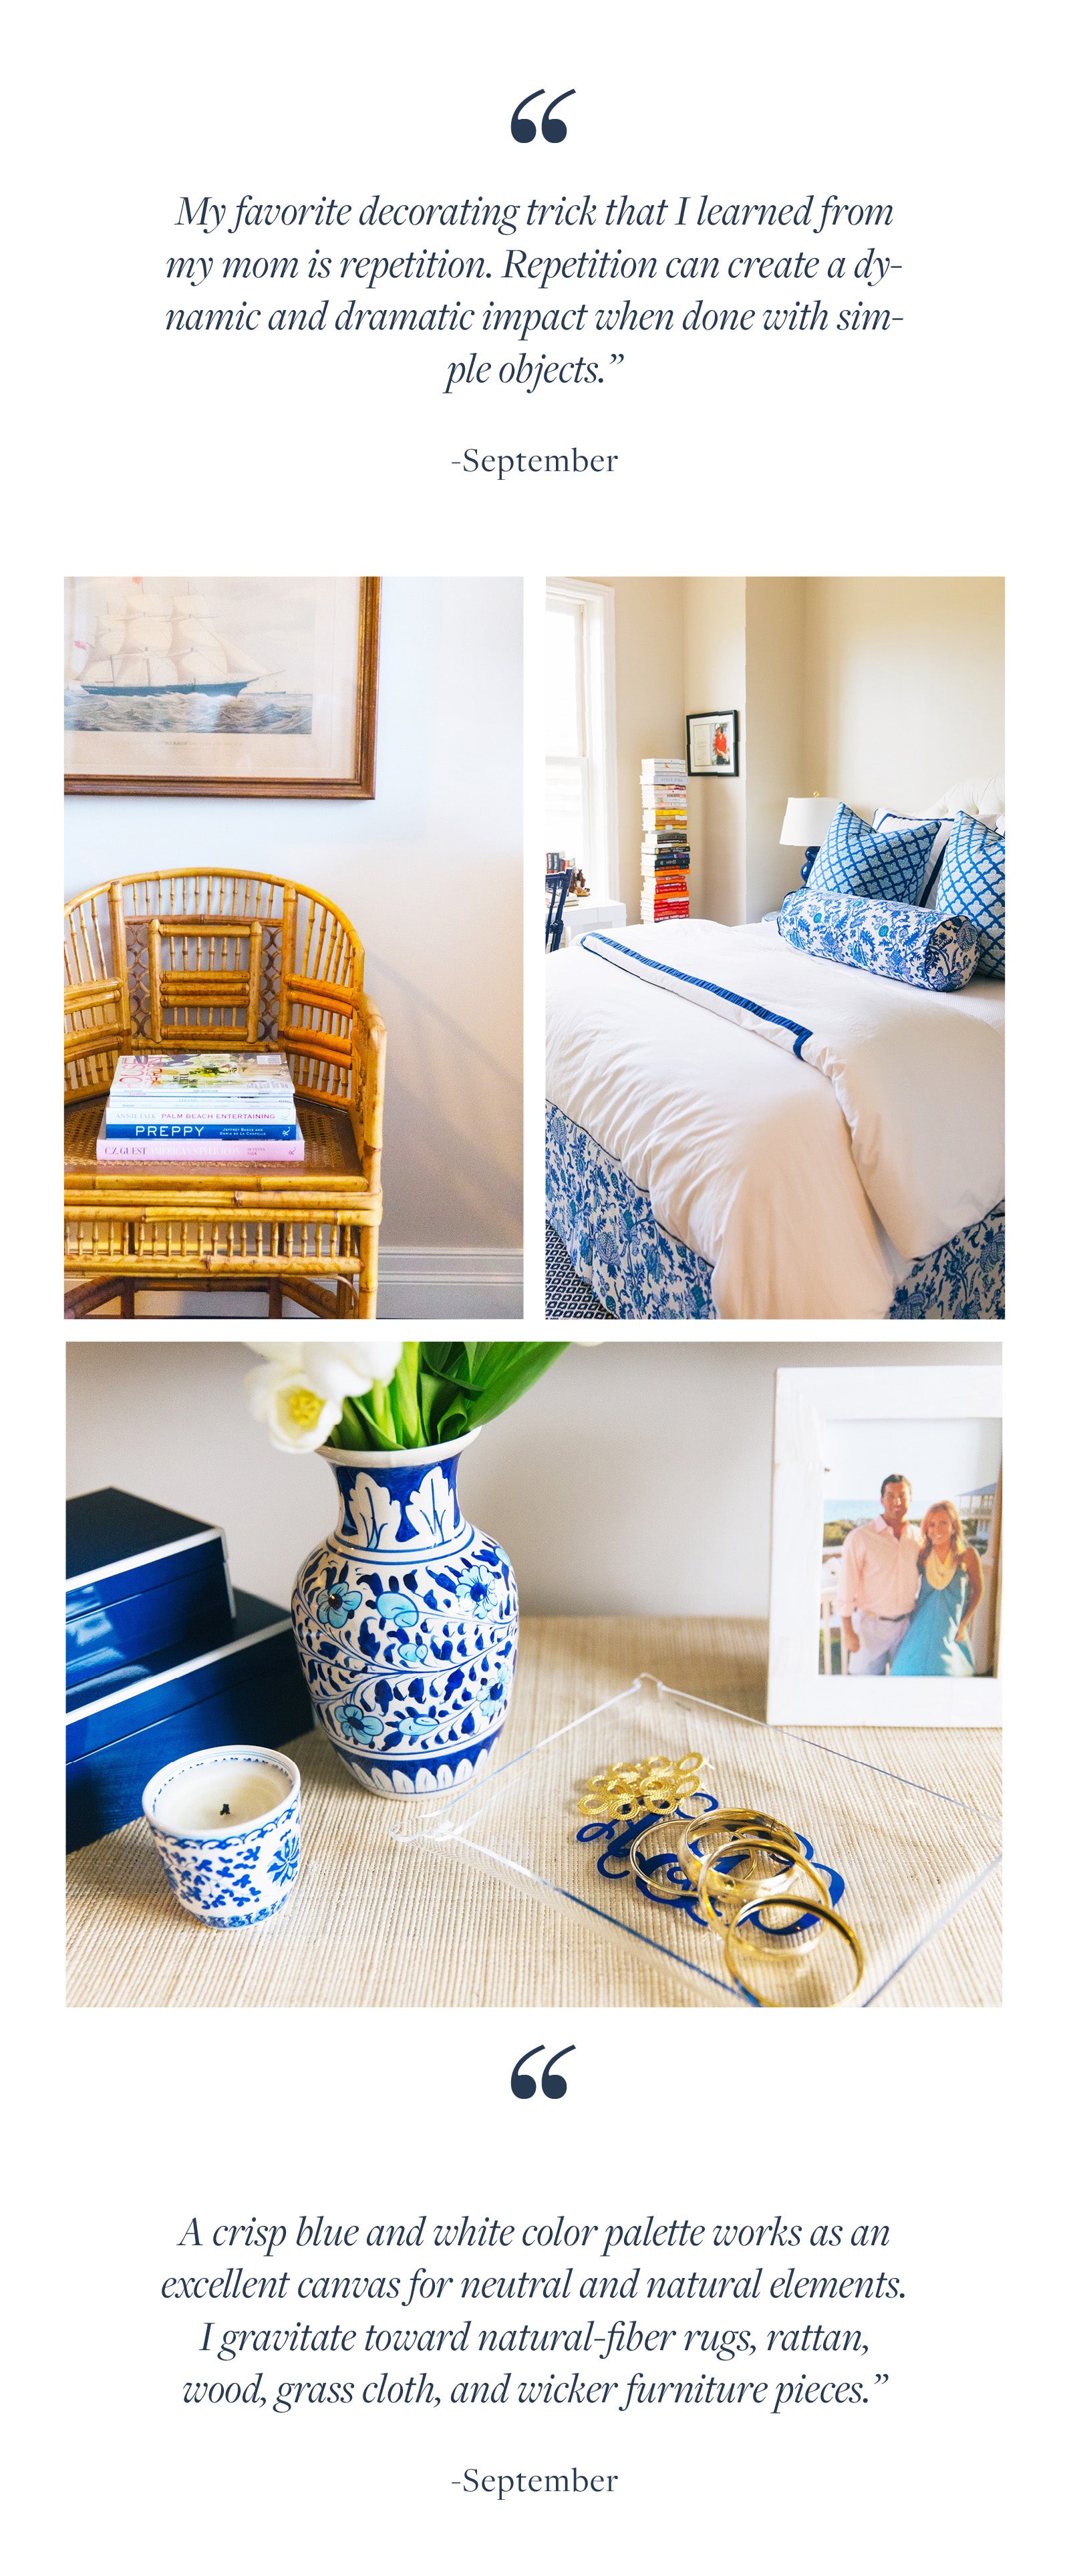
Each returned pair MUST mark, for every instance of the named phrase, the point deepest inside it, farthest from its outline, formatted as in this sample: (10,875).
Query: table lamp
(805,823)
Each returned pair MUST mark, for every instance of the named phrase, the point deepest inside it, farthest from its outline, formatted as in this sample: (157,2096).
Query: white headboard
(985,797)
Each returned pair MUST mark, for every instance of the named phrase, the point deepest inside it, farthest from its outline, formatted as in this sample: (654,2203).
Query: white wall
(632,1478)
(430,873)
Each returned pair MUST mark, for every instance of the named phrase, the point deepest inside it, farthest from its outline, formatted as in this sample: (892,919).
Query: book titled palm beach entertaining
(201,1108)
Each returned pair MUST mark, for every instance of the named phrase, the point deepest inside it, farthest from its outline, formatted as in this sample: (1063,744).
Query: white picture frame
(808,1400)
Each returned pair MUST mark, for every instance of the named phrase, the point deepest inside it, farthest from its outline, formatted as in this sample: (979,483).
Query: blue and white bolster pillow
(890,866)
(896,939)
(973,881)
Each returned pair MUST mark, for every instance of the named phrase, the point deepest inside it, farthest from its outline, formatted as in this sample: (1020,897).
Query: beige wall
(648,620)
(881,692)
(714,672)
(904,688)
(775,737)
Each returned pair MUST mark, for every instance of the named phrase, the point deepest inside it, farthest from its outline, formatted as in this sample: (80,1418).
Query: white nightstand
(586,915)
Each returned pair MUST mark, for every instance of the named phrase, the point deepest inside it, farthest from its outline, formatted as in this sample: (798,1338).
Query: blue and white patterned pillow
(884,820)
(890,867)
(972,880)
(895,939)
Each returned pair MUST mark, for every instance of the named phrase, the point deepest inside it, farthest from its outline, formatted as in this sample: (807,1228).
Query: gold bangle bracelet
(769,1891)
(736,1824)
(827,1913)
(656,1824)
(783,1845)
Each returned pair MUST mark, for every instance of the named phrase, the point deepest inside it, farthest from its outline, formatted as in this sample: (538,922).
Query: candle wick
(224,1811)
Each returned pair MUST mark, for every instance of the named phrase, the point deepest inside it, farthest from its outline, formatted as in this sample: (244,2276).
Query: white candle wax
(218,1796)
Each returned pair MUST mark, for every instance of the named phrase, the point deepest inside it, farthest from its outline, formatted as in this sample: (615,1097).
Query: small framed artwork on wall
(713,745)
(251,686)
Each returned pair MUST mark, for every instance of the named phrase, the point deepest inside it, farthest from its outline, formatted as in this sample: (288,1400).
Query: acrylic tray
(908,1854)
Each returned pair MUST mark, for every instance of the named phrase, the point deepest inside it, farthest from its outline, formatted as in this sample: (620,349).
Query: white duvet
(810,1180)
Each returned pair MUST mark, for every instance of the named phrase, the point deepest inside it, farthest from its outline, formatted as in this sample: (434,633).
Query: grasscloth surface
(374,1923)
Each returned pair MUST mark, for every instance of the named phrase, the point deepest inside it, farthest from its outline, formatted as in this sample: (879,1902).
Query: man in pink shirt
(879,1582)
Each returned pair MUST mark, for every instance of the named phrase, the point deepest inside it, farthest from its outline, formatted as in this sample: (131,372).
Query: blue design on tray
(679,1889)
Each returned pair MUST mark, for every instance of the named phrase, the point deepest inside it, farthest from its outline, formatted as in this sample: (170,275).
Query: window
(581,732)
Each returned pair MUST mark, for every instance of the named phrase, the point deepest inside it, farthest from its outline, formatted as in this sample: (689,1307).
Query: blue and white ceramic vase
(406,1623)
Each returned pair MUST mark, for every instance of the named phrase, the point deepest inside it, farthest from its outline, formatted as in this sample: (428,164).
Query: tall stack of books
(665,847)
(201,1108)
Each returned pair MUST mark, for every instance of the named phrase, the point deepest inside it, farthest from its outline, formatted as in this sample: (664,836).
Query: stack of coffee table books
(201,1108)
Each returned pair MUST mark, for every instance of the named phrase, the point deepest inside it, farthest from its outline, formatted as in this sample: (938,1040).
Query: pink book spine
(174,1149)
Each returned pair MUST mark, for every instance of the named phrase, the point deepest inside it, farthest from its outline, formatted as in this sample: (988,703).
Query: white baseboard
(438,1266)
(429,1279)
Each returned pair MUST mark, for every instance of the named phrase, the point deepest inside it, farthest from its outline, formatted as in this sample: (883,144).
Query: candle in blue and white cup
(227,1826)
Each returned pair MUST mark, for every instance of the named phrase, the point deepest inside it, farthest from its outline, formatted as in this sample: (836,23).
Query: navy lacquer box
(163,1657)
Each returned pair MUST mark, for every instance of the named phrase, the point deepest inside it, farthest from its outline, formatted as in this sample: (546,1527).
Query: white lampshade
(807,819)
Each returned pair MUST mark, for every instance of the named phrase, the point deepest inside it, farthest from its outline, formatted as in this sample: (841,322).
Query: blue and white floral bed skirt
(963,1282)
(640,1273)
(611,1235)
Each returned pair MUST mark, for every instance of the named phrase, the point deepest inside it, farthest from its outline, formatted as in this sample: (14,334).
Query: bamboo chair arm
(311,988)
(369,1079)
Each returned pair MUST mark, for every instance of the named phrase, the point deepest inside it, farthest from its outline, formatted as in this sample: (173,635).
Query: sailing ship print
(150,645)
(164,657)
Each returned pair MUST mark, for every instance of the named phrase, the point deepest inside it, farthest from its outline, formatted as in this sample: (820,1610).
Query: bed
(703,1161)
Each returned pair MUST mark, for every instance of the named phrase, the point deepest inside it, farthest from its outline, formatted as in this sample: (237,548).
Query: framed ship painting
(243,686)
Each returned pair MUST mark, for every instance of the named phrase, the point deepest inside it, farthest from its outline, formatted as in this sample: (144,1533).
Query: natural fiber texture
(375,1923)
(236,963)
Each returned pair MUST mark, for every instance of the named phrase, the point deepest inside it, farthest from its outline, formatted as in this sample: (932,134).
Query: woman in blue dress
(937,1642)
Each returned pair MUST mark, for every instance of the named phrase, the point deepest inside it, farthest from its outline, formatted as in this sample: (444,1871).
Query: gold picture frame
(167,692)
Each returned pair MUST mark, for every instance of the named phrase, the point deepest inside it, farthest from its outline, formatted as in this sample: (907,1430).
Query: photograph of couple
(908,1578)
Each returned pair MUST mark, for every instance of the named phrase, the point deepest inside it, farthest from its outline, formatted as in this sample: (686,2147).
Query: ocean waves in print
(175,711)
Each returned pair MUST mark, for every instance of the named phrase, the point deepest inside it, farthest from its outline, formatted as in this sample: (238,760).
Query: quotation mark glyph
(523,129)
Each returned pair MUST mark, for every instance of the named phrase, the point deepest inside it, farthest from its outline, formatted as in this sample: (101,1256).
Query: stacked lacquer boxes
(201,1108)
(665,847)
(163,1658)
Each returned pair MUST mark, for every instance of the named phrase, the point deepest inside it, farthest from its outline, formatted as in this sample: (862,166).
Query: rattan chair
(236,962)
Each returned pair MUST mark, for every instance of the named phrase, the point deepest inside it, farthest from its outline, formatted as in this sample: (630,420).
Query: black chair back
(558,883)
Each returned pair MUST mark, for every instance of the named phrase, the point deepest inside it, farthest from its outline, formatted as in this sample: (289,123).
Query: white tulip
(296,1414)
(300,1390)
(372,1362)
